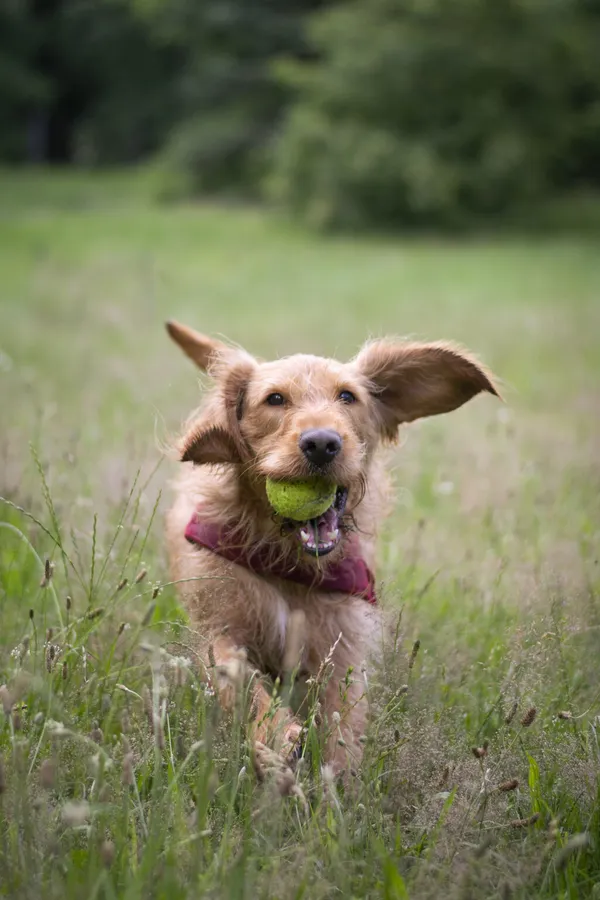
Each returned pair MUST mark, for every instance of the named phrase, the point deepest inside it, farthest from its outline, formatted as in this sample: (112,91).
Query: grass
(119,776)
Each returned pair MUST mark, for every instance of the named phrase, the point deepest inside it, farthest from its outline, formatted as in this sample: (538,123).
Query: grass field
(119,776)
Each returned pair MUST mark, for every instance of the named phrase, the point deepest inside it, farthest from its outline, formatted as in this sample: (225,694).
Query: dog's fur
(234,443)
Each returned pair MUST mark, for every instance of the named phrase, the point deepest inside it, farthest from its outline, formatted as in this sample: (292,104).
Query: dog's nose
(320,445)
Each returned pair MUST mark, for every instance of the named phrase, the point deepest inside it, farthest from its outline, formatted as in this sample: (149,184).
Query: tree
(82,79)
(230,96)
(423,111)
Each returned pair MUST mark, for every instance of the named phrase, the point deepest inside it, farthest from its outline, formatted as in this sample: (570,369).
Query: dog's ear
(204,351)
(209,445)
(218,437)
(412,380)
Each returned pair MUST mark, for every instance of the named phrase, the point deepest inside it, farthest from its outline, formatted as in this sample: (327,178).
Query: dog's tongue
(326,526)
(320,535)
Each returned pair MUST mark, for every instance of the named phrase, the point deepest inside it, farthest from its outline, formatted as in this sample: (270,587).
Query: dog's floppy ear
(218,437)
(204,351)
(411,380)
(209,445)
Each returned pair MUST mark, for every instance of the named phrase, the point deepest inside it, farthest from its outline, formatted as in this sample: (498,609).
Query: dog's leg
(270,725)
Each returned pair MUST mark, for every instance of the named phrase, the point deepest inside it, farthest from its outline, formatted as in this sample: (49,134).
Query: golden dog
(277,595)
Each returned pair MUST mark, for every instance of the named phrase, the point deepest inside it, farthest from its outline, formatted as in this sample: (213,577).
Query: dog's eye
(347,397)
(275,399)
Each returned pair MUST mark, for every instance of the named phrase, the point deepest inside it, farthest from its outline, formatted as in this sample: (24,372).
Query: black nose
(320,445)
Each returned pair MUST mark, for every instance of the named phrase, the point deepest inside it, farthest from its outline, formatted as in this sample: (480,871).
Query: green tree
(231,99)
(423,111)
(82,79)
(22,85)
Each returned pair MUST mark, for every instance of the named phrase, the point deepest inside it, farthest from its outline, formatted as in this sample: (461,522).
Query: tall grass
(120,776)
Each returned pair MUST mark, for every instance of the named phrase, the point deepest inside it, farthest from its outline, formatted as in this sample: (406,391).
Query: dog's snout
(320,445)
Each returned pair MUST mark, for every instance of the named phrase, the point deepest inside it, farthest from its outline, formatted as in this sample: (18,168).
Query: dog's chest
(311,624)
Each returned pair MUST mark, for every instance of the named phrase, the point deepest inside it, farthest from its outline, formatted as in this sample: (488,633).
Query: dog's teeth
(304,536)
(333,535)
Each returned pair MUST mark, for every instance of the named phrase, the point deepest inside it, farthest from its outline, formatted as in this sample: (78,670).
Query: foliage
(434,112)
(82,81)
(363,113)
(21,85)
(231,99)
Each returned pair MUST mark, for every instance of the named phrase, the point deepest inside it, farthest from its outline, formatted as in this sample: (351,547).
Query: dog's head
(306,415)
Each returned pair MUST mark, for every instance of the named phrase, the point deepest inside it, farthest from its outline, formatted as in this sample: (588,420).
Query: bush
(429,113)
(213,152)
(230,99)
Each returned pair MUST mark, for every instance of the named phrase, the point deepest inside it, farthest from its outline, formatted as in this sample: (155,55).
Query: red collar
(349,575)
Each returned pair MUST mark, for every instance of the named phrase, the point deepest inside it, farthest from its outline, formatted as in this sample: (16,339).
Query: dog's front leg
(270,725)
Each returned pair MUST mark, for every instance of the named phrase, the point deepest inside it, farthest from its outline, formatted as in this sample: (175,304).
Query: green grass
(490,555)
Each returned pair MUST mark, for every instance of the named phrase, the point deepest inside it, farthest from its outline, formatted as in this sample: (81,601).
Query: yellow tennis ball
(301,500)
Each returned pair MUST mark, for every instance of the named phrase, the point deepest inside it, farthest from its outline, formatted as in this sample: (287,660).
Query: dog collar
(349,575)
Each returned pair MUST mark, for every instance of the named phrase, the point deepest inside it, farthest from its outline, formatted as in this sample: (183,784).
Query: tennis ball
(301,500)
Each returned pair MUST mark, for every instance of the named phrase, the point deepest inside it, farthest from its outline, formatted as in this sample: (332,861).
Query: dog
(268,595)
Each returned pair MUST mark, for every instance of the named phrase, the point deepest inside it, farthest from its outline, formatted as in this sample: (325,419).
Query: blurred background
(371,113)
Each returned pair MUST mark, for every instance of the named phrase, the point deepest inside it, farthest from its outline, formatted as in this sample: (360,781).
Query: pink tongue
(326,523)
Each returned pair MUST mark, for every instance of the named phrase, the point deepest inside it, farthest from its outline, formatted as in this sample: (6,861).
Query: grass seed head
(565,714)
(141,575)
(529,717)
(159,733)
(128,777)
(48,774)
(413,655)
(48,572)
(94,613)
(511,785)
(6,700)
(75,813)
(123,583)
(96,734)
(107,853)
(525,823)
(147,701)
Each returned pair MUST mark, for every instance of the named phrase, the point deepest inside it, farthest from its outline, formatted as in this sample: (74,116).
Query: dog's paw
(270,766)
(282,732)
(291,748)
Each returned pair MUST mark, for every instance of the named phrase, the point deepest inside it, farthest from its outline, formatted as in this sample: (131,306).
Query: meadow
(119,775)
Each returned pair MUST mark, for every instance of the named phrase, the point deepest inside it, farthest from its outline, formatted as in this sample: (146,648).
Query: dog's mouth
(320,536)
